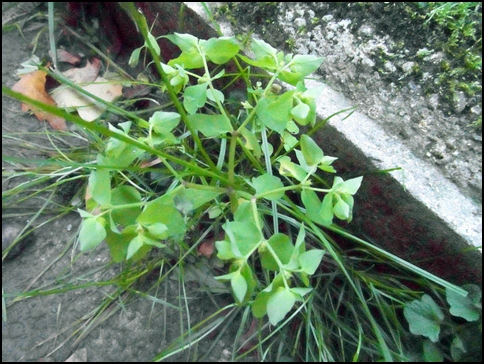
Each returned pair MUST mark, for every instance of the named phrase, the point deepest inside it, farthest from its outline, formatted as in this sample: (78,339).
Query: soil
(57,325)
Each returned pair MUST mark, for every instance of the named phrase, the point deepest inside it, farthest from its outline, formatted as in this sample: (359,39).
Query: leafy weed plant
(234,151)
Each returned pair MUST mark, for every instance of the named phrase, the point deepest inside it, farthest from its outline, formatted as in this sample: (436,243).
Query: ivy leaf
(210,125)
(92,233)
(279,305)
(468,307)
(194,98)
(424,317)
(311,260)
(267,183)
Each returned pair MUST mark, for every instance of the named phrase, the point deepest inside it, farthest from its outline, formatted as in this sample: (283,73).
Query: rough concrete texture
(416,212)
(370,53)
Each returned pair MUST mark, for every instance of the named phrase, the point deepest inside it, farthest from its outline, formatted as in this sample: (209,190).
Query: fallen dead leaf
(206,248)
(64,56)
(86,74)
(88,109)
(33,85)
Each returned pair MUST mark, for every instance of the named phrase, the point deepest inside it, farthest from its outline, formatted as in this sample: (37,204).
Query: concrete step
(415,213)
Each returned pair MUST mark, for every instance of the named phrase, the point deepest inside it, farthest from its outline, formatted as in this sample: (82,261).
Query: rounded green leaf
(100,186)
(220,50)
(134,59)
(310,260)
(300,113)
(239,285)
(341,209)
(432,352)
(215,95)
(134,246)
(124,195)
(279,305)
(326,212)
(195,97)
(311,151)
(92,233)
(282,246)
(266,183)
(186,42)
(210,125)
(262,49)
(224,250)
(351,186)
(164,121)
(468,307)
(424,317)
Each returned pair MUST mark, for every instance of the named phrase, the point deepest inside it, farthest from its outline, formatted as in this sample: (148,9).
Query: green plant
(244,167)
(243,194)
(446,338)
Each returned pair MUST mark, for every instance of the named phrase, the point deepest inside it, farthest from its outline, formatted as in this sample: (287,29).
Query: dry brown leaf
(86,74)
(64,56)
(33,85)
(88,109)
(206,248)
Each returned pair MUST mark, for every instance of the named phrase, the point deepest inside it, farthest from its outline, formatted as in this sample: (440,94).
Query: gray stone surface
(433,204)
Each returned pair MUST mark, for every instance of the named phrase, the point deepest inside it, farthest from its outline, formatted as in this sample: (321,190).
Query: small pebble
(10,232)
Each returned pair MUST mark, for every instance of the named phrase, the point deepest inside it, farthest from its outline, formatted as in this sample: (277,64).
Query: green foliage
(425,317)
(231,160)
(133,222)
